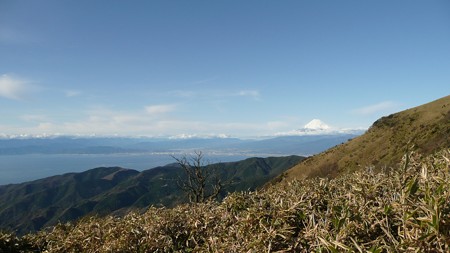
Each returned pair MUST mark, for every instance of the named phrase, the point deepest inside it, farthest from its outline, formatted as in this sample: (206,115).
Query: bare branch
(201,181)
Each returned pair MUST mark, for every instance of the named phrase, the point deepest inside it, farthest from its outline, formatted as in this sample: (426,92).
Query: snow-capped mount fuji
(316,124)
(318,127)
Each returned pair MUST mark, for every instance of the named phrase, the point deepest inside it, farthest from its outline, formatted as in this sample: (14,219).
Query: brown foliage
(402,210)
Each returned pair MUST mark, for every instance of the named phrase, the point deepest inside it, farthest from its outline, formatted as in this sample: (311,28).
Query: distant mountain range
(33,205)
(311,142)
(424,129)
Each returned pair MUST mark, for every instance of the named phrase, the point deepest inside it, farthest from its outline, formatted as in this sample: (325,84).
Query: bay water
(21,168)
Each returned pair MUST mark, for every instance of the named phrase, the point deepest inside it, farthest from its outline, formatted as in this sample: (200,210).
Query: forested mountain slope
(32,205)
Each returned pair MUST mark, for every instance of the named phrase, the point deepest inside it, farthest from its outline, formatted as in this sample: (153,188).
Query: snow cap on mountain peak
(316,124)
(318,127)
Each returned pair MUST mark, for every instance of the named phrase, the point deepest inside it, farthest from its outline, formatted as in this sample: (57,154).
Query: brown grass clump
(403,210)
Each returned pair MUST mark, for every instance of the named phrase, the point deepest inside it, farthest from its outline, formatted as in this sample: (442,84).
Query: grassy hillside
(30,206)
(424,129)
(403,210)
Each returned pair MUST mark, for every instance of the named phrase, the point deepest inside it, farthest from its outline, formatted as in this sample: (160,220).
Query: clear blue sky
(241,68)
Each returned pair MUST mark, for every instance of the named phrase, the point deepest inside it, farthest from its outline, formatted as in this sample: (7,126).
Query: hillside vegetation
(33,205)
(424,129)
(385,191)
(401,210)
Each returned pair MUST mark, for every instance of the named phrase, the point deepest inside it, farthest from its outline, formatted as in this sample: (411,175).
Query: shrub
(401,210)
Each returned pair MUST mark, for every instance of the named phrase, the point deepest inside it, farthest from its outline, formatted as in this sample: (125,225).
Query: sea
(22,168)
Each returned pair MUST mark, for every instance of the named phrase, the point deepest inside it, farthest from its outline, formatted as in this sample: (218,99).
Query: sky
(234,68)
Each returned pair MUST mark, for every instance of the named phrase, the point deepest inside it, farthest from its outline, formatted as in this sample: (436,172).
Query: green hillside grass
(424,129)
(401,210)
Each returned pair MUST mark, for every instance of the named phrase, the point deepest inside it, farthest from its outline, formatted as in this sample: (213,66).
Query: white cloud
(137,124)
(249,93)
(159,109)
(205,94)
(34,117)
(45,127)
(72,93)
(152,120)
(274,125)
(205,81)
(372,109)
(182,93)
(13,88)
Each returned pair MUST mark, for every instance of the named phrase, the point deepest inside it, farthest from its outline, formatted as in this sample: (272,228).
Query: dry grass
(426,128)
(402,210)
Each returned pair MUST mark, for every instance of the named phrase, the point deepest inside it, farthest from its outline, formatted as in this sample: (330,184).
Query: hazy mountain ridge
(112,145)
(32,205)
(49,154)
